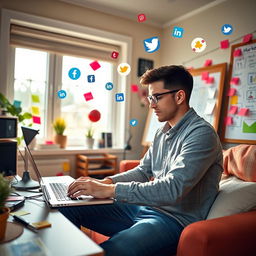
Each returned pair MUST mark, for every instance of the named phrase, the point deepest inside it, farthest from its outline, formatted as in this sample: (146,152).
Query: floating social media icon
(88,96)
(227,29)
(74,73)
(141,17)
(151,44)
(177,32)
(198,44)
(119,97)
(62,94)
(114,55)
(91,79)
(124,69)
(95,65)
(133,122)
(109,86)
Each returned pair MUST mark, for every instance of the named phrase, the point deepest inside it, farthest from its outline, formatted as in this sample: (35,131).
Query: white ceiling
(160,13)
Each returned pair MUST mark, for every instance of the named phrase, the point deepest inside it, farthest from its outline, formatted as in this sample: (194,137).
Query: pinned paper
(243,112)
(235,80)
(224,44)
(237,53)
(36,119)
(17,103)
(35,111)
(205,75)
(210,80)
(249,126)
(88,96)
(35,98)
(234,100)
(208,63)
(209,108)
(229,120)
(211,93)
(247,38)
(134,88)
(231,92)
(66,167)
(233,110)
(95,65)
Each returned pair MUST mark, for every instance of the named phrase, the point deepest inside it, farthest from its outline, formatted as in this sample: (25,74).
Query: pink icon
(134,88)
(95,65)
(88,96)
(141,17)
(114,55)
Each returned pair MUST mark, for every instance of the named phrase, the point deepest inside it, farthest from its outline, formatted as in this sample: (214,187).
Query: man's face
(166,106)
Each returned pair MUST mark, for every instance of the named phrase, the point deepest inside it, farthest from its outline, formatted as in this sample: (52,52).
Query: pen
(25,223)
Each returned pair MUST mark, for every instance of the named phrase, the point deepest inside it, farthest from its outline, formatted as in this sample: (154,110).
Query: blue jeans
(133,230)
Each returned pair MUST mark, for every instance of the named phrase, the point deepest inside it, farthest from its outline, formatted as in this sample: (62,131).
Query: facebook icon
(74,73)
(119,97)
(91,79)
(177,32)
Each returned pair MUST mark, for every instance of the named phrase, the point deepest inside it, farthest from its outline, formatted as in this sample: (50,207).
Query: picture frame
(144,65)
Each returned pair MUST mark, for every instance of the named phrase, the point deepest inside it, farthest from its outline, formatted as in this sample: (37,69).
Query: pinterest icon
(141,17)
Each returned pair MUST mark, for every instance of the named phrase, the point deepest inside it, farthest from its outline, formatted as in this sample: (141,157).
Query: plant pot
(3,222)
(89,142)
(61,140)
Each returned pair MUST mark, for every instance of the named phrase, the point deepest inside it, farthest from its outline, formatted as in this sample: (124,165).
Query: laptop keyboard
(60,191)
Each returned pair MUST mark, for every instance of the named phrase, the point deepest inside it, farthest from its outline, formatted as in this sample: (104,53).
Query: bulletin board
(240,112)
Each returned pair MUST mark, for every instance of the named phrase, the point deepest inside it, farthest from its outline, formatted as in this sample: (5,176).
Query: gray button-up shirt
(185,162)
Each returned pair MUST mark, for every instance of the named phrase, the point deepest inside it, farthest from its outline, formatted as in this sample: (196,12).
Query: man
(174,185)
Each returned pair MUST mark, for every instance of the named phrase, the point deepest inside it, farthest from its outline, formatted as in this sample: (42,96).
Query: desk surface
(62,238)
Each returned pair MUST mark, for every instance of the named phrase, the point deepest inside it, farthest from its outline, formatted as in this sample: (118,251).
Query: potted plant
(5,191)
(89,140)
(59,126)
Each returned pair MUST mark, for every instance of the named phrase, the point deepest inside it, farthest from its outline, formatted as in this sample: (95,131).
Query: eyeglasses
(155,98)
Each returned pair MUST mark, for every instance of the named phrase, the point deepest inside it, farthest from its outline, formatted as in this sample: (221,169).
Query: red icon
(114,55)
(95,65)
(141,17)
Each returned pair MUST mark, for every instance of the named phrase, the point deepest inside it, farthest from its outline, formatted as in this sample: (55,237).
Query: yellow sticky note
(35,98)
(233,100)
(66,167)
(41,224)
(35,111)
(19,213)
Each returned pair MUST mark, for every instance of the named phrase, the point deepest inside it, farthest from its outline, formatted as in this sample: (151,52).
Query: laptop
(54,188)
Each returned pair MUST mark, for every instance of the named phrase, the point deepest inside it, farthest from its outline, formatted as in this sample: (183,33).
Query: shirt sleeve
(198,153)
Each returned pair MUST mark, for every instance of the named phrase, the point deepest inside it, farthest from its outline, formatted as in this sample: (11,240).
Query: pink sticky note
(210,80)
(229,120)
(208,63)
(243,111)
(141,17)
(88,96)
(36,119)
(235,80)
(224,44)
(233,110)
(237,53)
(247,38)
(95,65)
(205,75)
(134,88)
(231,92)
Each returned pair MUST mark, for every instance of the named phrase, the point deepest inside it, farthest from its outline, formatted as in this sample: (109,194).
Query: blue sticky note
(17,103)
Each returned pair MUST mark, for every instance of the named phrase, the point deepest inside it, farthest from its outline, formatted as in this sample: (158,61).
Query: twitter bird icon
(227,29)
(152,44)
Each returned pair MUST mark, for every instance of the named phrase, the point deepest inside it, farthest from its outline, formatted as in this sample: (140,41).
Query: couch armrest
(126,165)
(230,235)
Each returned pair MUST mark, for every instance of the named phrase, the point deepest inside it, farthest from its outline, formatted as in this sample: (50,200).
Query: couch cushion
(235,196)
(241,162)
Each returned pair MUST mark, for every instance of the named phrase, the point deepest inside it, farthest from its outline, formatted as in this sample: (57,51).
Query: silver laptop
(54,188)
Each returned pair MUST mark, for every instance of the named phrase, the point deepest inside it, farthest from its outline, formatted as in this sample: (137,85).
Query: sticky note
(205,75)
(134,88)
(36,119)
(224,44)
(211,93)
(35,98)
(243,112)
(237,53)
(95,65)
(35,111)
(209,108)
(19,213)
(210,80)
(247,38)
(231,92)
(234,100)
(249,126)
(41,224)
(233,110)
(17,103)
(88,96)
(229,120)
(66,167)
(208,63)
(235,80)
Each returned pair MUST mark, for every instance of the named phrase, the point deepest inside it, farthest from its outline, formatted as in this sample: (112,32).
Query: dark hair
(174,77)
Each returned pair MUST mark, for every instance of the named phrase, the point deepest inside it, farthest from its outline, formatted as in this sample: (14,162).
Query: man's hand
(91,187)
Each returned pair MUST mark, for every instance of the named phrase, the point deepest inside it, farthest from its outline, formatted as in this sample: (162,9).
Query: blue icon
(109,86)
(119,97)
(151,44)
(133,122)
(227,29)
(177,32)
(74,73)
(91,78)
(62,94)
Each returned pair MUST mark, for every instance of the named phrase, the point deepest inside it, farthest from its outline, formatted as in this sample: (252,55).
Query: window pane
(30,78)
(75,109)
